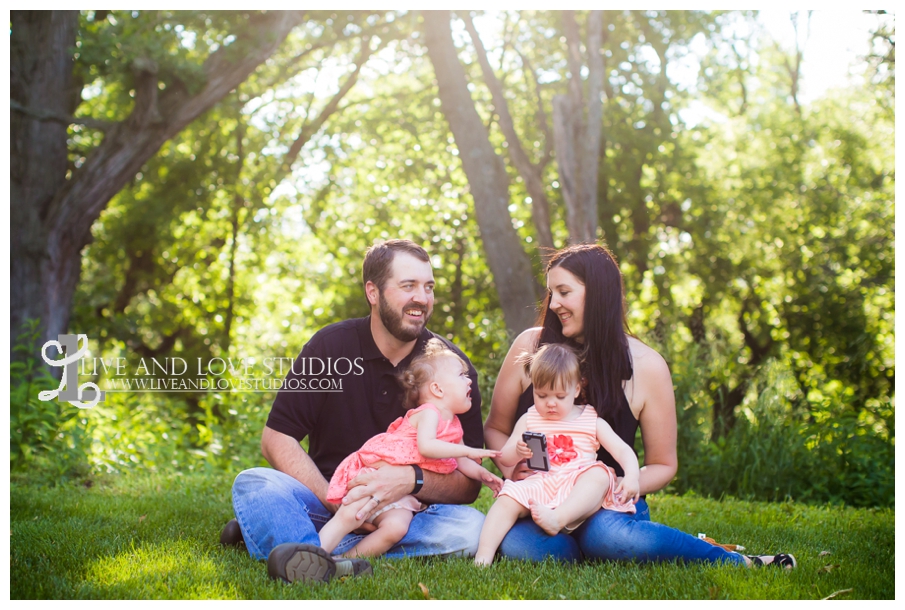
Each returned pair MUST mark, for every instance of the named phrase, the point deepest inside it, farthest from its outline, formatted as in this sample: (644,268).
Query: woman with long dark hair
(630,386)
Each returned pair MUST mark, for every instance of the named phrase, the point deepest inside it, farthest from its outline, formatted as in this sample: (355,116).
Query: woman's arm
(510,384)
(657,418)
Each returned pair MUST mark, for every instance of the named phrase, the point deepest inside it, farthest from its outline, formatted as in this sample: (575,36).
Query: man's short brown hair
(379,259)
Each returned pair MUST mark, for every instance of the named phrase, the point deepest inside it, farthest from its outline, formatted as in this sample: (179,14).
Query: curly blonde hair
(423,369)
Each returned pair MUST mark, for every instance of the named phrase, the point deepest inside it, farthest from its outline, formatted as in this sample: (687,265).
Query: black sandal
(782,560)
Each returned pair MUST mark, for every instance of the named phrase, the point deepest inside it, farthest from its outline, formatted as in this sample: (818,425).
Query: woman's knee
(610,535)
(528,542)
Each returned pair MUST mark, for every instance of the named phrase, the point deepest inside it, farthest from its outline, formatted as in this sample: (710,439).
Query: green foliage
(154,537)
(775,452)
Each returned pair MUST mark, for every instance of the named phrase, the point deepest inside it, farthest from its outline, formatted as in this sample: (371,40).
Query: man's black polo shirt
(363,398)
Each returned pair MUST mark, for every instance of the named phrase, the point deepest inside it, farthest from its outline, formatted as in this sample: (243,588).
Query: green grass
(156,537)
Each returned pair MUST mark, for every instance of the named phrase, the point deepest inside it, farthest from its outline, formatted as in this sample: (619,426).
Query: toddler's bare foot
(546,518)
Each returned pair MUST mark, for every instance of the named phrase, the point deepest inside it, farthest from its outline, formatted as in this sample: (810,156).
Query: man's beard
(393,320)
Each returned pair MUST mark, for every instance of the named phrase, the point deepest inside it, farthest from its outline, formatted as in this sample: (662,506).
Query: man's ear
(372,292)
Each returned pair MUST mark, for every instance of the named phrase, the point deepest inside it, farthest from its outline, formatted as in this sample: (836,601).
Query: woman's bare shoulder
(646,361)
(528,338)
(651,389)
(526,342)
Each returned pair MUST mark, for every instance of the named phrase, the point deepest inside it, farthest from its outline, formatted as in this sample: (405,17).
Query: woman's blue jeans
(613,535)
(272,508)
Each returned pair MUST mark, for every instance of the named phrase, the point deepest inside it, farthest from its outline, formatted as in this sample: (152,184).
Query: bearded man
(341,391)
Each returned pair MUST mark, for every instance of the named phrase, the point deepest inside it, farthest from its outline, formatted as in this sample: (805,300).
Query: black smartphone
(537,442)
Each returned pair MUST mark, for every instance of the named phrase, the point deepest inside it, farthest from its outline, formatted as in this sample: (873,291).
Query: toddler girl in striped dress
(577,485)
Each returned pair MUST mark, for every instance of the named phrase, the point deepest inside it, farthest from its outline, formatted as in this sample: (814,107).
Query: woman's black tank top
(621,419)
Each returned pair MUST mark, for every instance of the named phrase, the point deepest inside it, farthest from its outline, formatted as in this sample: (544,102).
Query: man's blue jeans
(612,535)
(273,508)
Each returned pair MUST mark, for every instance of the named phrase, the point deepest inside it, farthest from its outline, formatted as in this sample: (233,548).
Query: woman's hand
(521,471)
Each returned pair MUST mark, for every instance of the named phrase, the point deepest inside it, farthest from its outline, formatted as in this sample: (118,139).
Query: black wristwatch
(419,478)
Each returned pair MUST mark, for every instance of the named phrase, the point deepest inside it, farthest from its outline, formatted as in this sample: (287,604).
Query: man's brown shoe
(291,562)
(232,534)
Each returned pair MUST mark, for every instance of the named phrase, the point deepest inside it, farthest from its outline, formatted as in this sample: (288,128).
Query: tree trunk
(52,213)
(487,178)
(589,142)
(40,73)
(577,125)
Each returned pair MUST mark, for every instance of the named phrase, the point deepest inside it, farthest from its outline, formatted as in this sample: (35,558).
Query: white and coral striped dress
(572,447)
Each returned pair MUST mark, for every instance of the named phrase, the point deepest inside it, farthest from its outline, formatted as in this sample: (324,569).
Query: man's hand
(383,486)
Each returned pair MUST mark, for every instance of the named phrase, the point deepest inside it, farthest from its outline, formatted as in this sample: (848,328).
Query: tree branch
(311,128)
(542,120)
(126,147)
(573,55)
(290,67)
(540,207)
(41,114)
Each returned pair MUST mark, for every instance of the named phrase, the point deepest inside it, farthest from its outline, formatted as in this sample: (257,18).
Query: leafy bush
(782,448)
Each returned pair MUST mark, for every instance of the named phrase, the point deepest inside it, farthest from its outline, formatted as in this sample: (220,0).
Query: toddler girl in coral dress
(577,485)
(429,436)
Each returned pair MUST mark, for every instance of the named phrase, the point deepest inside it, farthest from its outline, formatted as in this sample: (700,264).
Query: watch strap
(419,478)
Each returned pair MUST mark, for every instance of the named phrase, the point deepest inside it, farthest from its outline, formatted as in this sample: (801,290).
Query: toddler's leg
(342,523)
(392,526)
(500,519)
(584,500)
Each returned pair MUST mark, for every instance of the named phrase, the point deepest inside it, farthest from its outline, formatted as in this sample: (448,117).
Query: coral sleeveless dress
(397,446)
(572,447)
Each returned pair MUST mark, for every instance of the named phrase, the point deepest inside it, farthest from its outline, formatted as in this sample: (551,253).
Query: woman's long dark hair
(604,355)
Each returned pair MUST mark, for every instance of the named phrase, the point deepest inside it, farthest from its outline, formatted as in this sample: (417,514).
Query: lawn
(156,537)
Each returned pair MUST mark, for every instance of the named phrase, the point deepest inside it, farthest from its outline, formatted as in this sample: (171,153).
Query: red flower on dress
(561,449)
